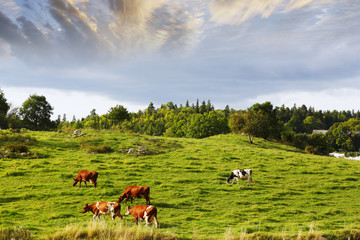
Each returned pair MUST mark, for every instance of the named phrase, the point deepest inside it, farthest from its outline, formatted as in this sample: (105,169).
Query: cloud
(340,98)
(83,32)
(234,12)
(71,103)
(10,32)
(172,50)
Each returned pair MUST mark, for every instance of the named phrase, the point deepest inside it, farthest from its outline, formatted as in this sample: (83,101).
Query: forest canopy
(293,125)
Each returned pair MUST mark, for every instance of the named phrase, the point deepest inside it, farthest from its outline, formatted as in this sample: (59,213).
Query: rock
(78,133)
(142,150)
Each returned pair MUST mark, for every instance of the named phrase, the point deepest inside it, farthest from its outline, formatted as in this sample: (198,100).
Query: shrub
(17,148)
(310,149)
(99,149)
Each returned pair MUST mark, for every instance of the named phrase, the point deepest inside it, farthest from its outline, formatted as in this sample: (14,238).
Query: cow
(107,208)
(135,191)
(144,212)
(240,174)
(86,176)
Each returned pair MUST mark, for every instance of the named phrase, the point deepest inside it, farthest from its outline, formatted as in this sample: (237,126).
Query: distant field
(292,191)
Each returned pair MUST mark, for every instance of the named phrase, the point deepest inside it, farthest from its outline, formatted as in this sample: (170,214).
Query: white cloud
(328,99)
(235,12)
(71,103)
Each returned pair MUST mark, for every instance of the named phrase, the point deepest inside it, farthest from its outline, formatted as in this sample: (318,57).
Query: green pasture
(292,191)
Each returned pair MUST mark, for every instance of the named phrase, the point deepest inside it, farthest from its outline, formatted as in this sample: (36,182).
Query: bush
(301,140)
(17,148)
(99,149)
(310,149)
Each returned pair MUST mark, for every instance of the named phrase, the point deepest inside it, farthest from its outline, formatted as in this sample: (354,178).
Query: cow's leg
(136,220)
(80,183)
(85,184)
(249,180)
(146,220)
(147,200)
(94,216)
(156,222)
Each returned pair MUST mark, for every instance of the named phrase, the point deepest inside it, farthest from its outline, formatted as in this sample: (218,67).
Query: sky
(96,54)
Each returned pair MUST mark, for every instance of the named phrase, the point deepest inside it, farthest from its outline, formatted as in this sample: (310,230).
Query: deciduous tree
(36,113)
(4,108)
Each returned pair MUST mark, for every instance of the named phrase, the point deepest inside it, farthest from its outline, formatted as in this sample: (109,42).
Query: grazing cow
(144,212)
(107,208)
(86,176)
(240,174)
(135,191)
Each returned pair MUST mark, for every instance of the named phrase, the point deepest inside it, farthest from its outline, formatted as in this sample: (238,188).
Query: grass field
(292,192)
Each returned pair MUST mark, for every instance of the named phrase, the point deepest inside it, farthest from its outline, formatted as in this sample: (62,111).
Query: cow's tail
(153,215)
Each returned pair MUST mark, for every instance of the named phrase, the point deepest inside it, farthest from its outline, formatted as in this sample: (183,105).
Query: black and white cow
(240,174)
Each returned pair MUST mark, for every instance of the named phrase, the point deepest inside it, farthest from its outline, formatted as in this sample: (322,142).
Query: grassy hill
(292,192)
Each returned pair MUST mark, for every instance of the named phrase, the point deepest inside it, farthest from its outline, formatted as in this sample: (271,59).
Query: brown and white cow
(86,176)
(107,208)
(144,212)
(135,191)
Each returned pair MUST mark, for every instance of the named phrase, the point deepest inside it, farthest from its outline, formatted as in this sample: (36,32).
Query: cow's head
(86,208)
(121,198)
(75,181)
(228,180)
(127,210)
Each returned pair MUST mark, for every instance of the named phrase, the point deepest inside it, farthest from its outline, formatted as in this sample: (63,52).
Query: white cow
(240,174)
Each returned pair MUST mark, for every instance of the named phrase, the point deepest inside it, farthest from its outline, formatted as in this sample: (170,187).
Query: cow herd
(145,212)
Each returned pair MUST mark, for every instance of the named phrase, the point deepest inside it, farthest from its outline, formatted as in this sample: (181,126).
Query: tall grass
(108,230)
(15,233)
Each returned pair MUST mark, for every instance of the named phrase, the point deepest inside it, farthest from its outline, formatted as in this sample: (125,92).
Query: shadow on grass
(166,205)
(9,199)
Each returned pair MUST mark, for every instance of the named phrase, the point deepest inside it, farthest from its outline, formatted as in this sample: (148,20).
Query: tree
(296,123)
(4,108)
(36,113)
(14,119)
(252,123)
(345,136)
(118,114)
(227,111)
(202,108)
(256,125)
(151,108)
(310,123)
(275,126)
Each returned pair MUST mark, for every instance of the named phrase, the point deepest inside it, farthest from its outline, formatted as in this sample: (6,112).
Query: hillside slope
(292,191)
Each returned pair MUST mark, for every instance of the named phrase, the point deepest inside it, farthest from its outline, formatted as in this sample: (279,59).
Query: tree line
(199,120)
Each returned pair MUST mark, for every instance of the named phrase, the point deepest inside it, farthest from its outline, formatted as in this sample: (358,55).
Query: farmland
(292,192)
